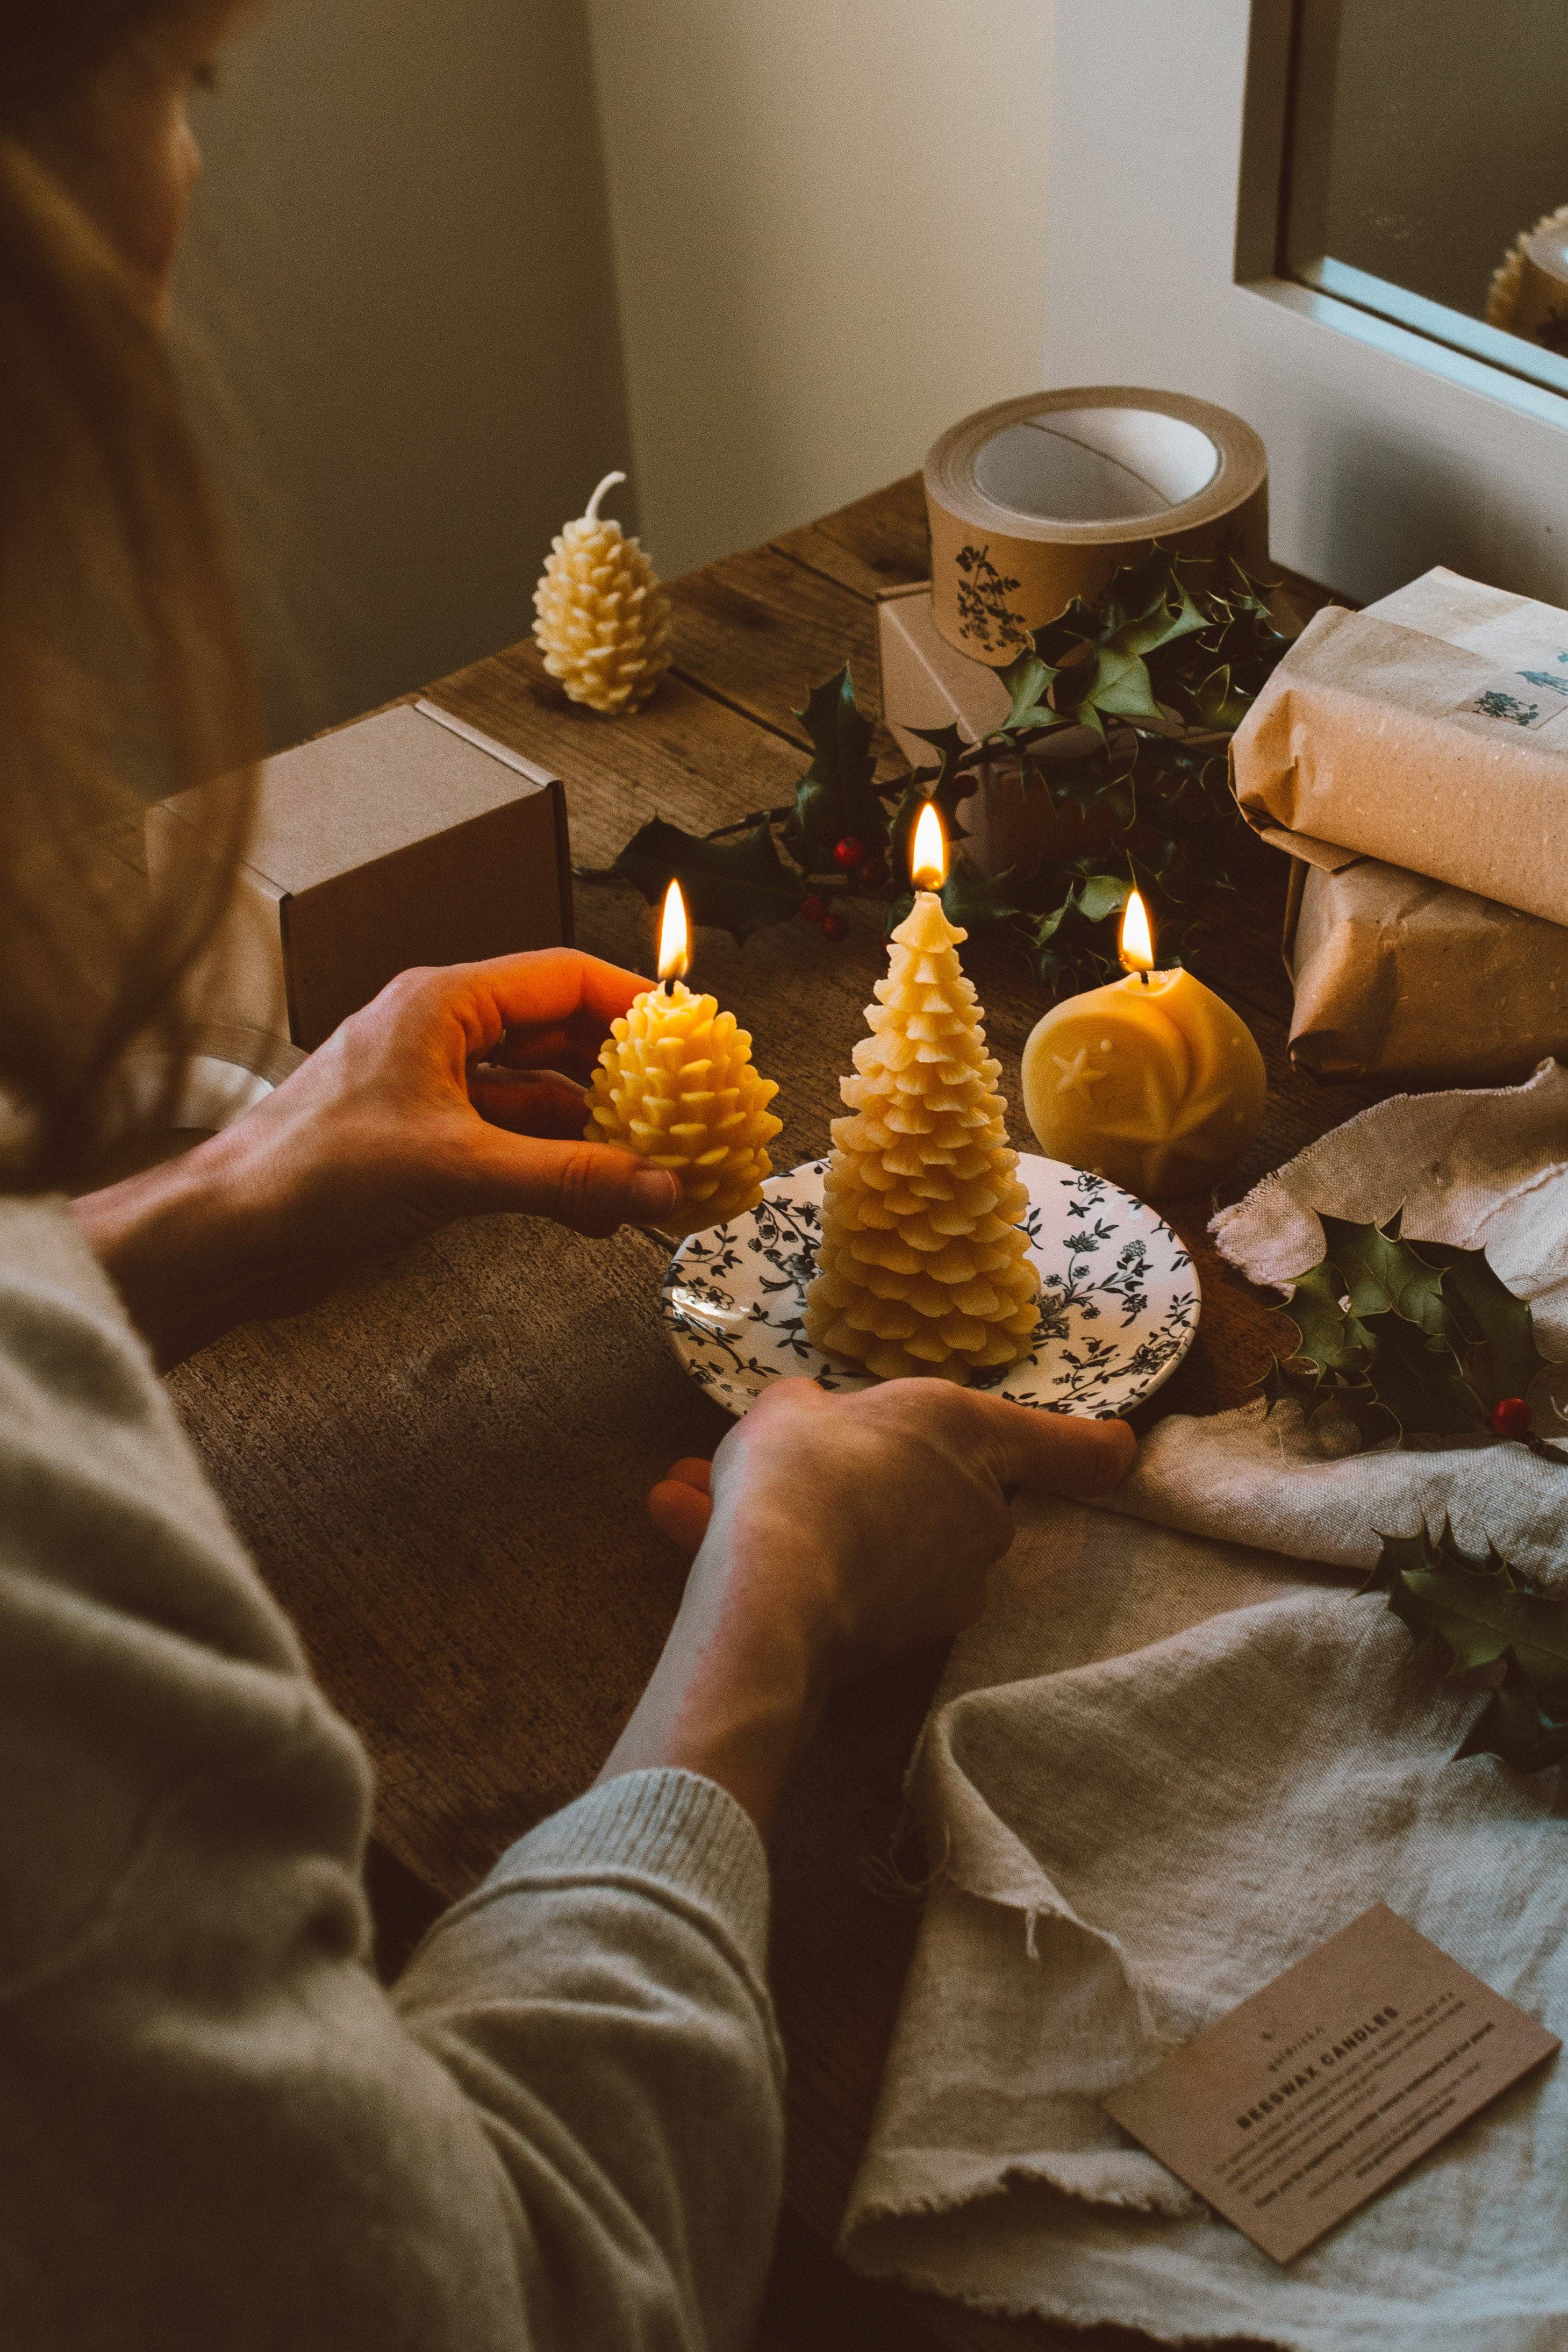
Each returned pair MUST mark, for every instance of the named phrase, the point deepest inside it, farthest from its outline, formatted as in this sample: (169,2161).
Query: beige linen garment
(217,2134)
(1177,1754)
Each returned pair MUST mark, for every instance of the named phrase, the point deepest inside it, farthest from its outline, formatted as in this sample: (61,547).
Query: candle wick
(1144,978)
(670,985)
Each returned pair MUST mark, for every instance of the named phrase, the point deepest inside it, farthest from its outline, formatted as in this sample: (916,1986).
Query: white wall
(400,255)
(828,222)
(829,218)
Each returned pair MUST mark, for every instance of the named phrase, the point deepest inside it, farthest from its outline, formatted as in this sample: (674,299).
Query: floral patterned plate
(1118,1305)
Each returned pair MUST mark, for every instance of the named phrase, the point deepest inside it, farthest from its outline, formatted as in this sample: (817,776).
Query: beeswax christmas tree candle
(604,623)
(675,1082)
(922,1266)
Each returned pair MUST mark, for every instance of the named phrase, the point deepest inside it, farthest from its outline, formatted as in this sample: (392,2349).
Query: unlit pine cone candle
(923,1267)
(603,623)
(674,1081)
(1152,1081)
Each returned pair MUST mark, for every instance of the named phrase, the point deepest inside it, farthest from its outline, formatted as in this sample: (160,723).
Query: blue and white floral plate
(1118,1295)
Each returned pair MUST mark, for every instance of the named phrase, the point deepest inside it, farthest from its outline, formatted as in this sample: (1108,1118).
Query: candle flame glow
(1137,947)
(928,851)
(674,937)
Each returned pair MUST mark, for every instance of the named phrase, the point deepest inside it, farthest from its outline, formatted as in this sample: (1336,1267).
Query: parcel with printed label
(1430,731)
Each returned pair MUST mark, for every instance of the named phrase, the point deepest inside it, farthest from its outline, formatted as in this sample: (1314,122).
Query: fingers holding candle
(675,1082)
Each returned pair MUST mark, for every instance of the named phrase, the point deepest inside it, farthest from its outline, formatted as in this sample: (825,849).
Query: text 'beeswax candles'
(922,1266)
(1151,1081)
(675,1082)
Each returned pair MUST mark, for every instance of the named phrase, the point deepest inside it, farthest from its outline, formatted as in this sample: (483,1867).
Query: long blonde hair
(123,669)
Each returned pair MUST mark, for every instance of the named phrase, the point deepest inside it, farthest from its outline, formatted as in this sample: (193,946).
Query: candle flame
(1137,947)
(928,851)
(674,937)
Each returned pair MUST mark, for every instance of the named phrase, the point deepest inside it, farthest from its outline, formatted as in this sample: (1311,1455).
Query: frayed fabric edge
(1047,2306)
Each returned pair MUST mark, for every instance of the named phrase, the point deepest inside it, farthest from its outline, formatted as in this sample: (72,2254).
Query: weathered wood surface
(442,1472)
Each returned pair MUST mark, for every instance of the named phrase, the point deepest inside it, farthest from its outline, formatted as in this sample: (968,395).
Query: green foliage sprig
(1408,1340)
(1486,1627)
(1138,694)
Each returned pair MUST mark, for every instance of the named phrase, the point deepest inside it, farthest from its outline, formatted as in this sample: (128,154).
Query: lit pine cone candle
(924,1268)
(675,1082)
(604,623)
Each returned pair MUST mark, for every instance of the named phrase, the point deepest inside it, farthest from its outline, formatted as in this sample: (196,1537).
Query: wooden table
(442,1472)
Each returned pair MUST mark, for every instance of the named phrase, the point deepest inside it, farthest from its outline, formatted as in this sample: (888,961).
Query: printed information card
(1322,2088)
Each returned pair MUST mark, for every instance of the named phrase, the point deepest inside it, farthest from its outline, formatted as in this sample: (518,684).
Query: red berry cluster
(817,911)
(853,859)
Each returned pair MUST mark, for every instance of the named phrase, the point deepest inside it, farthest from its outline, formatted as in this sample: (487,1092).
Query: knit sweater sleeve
(564,2129)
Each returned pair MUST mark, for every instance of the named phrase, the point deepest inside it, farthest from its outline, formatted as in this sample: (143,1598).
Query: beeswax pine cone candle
(675,1082)
(923,1267)
(604,623)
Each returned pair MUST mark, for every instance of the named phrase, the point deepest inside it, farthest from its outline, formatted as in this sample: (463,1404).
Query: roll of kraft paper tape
(1541,310)
(1038,501)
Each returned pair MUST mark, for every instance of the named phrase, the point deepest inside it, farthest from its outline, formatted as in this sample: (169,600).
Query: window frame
(1389,449)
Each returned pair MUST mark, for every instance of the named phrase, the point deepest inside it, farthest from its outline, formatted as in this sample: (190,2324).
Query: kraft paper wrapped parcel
(1414,758)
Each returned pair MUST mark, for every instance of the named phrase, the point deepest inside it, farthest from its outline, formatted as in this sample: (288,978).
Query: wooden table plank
(876,544)
(443,1471)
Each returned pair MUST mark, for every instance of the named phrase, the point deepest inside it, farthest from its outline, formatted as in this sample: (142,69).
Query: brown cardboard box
(1398,976)
(925,683)
(408,839)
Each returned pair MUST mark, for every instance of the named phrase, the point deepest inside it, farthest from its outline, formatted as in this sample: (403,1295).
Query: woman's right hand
(875,1517)
(832,1532)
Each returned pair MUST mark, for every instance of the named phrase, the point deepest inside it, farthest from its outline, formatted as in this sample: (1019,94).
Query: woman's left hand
(451,1094)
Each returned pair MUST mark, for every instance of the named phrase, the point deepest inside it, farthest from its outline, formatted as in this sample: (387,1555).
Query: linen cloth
(215,2129)
(1174,1755)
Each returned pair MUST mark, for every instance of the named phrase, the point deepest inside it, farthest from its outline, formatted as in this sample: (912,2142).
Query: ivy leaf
(736,885)
(1486,1627)
(835,798)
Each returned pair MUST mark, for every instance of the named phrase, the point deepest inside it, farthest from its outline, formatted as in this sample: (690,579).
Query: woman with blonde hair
(563,2126)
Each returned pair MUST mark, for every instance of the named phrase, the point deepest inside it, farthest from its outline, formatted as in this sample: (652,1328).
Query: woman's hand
(832,1532)
(443,1099)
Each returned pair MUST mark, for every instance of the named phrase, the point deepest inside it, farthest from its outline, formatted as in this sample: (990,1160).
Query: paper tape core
(1095,465)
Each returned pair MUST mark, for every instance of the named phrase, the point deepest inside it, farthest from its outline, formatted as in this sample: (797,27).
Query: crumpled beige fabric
(1176,1753)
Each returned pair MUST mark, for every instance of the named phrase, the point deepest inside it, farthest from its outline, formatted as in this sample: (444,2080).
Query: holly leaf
(1504,1357)
(736,885)
(1099,896)
(1330,1337)
(1434,1336)
(1421,1384)
(834,799)
(1384,1275)
(980,902)
(1485,1627)
(1028,679)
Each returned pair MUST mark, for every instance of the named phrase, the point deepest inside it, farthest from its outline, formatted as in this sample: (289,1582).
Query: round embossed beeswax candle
(675,1082)
(1151,1081)
(922,1266)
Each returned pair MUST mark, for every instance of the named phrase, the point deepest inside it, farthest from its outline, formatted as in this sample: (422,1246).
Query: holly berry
(966,788)
(833,927)
(1512,1417)
(872,873)
(848,852)
(813,909)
